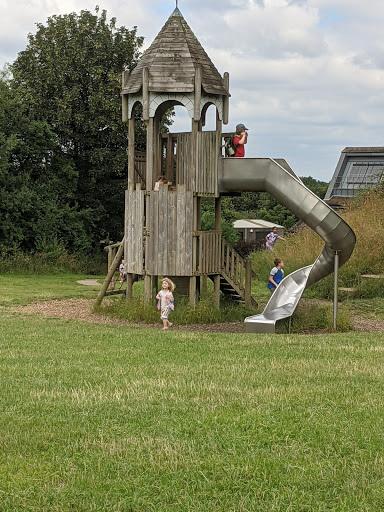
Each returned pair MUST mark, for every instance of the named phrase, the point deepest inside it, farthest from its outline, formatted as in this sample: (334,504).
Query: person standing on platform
(239,140)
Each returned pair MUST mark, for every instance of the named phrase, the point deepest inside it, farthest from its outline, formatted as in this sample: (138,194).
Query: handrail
(233,266)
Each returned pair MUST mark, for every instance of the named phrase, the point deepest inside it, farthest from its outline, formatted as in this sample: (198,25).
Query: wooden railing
(216,256)
(233,266)
(140,166)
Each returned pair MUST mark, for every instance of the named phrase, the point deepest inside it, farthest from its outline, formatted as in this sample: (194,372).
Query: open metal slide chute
(277,178)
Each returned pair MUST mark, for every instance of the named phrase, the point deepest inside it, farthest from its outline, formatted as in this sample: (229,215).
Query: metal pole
(335,288)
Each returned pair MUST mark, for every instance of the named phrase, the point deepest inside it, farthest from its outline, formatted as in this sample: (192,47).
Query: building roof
(172,60)
(357,168)
(364,150)
(255,224)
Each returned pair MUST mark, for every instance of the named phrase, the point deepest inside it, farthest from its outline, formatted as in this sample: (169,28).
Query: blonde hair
(171,284)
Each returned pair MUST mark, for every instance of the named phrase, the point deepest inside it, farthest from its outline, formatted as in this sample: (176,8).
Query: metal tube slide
(277,178)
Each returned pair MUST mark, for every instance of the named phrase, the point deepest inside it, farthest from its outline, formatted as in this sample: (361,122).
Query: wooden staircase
(235,276)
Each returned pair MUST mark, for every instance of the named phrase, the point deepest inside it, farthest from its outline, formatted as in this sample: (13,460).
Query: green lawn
(110,418)
(22,289)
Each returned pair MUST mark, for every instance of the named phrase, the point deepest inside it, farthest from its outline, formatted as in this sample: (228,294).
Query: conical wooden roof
(172,59)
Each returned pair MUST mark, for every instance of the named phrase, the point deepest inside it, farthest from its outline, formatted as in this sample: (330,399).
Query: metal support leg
(335,288)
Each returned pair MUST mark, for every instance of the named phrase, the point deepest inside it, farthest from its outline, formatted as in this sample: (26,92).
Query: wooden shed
(252,230)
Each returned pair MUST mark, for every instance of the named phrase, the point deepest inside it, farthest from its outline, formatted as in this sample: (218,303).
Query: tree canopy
(68,86)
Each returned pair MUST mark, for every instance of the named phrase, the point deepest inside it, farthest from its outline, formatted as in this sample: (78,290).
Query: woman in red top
(240,139)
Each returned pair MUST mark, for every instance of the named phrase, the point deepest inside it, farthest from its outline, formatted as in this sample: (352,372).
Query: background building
(255,229)
(358,168)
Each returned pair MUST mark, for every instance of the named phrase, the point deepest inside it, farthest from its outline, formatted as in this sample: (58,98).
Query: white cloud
(306,76)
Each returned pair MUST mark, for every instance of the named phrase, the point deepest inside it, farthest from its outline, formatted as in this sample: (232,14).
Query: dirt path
(80,309)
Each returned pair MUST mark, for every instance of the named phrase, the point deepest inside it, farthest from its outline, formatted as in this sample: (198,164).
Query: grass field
(110,418)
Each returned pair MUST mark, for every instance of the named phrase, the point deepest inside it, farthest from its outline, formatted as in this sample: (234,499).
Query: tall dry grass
(365,215)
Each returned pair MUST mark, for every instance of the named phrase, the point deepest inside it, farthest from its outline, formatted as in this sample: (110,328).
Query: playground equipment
(163,234)
(276,177)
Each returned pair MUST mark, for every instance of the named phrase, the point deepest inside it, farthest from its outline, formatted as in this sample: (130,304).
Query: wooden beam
(226,99)
(149,178)
(192,291)
(147,289)
(129,289)
(145,94)
(216,288)
(197,111)
(248,283)
(124,108)
(131,152)
(110,274)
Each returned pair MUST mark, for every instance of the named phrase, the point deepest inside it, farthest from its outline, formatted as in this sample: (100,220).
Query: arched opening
(209,117)
(173,121)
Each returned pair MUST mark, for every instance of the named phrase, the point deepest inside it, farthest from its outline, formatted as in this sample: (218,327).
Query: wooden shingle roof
(172,59)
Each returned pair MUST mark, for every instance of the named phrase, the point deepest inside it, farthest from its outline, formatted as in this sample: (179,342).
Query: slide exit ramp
(277,178)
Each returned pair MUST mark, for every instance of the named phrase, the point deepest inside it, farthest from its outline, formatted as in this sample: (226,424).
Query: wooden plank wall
(204,178)
(134,225)
(169,247)
(184,154)
(208,144)
(209,252)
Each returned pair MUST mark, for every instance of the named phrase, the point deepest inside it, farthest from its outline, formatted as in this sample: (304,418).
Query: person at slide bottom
(165,301)
(276,275)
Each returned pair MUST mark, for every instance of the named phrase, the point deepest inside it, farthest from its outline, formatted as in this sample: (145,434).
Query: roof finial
(177,4)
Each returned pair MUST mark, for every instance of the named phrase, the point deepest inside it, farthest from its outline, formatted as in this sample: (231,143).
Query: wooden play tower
(163,234)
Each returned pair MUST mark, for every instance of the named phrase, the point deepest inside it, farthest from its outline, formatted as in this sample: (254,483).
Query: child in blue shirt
(276,275)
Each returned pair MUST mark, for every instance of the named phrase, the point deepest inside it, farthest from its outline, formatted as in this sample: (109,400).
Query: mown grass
(23,289)
(110,418)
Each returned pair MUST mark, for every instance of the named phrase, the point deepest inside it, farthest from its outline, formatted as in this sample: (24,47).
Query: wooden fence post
(248,283)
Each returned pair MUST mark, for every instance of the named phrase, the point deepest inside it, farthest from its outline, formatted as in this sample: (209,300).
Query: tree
(69,76)
(36,180)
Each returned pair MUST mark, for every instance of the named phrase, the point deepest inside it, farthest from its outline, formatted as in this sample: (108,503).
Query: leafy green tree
(317,186)
(36,180)
(69,76)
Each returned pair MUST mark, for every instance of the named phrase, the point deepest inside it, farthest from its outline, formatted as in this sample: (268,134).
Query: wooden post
(124,108)
(150,156)
(145,94)
(147,289)
(155,285)
(218,214)
(192,291)
(129,290)
(204,286)
(157,148)
(110,274)
(169,159)
(216,284)
(248,283)
(131,151)
(226,99)
(197,113)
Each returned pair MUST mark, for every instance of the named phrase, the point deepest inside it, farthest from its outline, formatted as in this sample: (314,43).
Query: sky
(306,76)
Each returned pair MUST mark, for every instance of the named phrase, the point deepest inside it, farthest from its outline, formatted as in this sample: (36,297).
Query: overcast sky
(306,76)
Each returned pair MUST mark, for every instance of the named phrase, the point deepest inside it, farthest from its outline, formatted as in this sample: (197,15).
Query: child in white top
(165,301)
